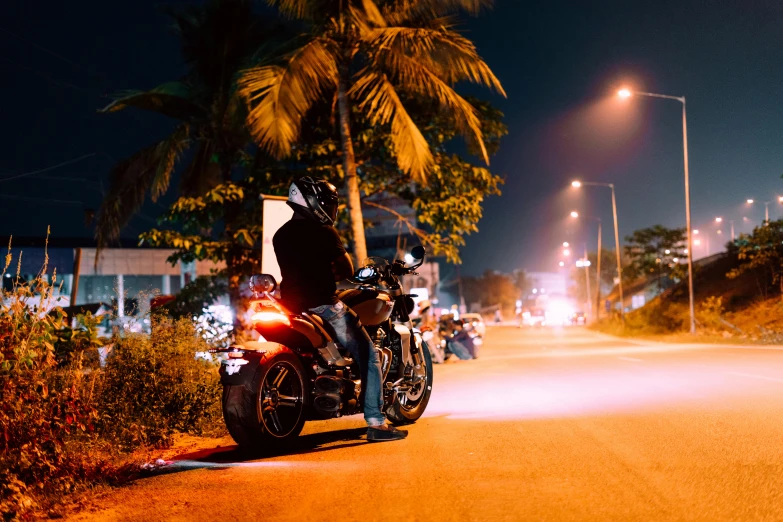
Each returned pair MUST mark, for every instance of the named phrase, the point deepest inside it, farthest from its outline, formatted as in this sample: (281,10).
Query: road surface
(550,424)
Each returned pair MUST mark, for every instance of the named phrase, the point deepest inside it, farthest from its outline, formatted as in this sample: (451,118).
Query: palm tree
(218,40)
(369,53)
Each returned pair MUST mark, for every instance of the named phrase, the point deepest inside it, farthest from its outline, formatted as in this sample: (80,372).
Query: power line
(39,171)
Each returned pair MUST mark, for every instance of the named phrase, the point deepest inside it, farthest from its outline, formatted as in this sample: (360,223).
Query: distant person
(497,316)
(461,344)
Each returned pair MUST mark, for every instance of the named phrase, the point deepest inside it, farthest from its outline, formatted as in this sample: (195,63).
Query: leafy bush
(153,385)
(46,404)
(66,423)
(657,317)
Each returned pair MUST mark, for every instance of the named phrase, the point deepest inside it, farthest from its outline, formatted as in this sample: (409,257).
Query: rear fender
(240,363)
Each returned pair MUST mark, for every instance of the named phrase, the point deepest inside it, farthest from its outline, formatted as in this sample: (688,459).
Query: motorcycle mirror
(418,252)
(262,283)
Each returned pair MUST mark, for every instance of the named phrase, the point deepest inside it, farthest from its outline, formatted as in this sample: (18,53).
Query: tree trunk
(349,166)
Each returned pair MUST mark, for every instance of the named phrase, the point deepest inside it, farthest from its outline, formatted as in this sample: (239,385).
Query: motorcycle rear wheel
(269,411)
(406,411)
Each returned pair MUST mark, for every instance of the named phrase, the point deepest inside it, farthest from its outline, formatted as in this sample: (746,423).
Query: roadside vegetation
(68,423)
(739,296)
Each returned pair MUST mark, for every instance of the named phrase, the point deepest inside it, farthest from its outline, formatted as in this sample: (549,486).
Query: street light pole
(598,275)
(588,296)
(688,217)
(625,93)
(616,239)
(617,250)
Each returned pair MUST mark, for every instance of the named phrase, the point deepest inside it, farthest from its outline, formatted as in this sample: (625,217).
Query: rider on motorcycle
(312,258)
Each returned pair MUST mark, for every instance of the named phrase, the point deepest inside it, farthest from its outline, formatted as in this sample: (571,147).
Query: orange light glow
(624,93)
(574,214)
(270,317)
(576,184)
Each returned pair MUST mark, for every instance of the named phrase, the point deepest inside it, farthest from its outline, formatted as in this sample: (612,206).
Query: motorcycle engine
(384,353)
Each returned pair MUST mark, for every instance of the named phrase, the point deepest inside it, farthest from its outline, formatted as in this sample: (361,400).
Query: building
(126,278)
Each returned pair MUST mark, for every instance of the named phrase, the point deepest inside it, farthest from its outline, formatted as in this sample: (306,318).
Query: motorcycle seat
(323,324)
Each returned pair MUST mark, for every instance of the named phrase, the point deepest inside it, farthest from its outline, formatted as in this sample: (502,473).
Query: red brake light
(270,317)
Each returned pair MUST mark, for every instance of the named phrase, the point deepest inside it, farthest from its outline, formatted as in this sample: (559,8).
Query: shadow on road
(230,456)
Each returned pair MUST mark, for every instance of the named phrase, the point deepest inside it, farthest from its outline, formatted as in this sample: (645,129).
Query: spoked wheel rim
(281,399)
(411,398)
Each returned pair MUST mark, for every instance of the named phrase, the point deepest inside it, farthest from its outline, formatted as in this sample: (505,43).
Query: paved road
(547,425)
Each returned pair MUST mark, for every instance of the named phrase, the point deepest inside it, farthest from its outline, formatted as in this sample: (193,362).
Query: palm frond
(372,13)
(365,17)
(397,12)
(297,9)
(172,99)
(413,76)
(147,170)
(168,152)
(201,174)
(279,96)
(448,54)
(379,98)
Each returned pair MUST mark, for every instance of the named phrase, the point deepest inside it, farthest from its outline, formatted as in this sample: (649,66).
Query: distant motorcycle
(271,388)
(433,341)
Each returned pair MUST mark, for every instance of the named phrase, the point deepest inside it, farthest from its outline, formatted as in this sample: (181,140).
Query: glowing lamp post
(731,221)
(627,93)
(586,263)
(578,184)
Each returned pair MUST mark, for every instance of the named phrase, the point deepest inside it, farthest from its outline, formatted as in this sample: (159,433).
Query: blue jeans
(459,349)
(351,336)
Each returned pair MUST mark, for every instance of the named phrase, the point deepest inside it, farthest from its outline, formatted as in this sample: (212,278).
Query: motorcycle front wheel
(409,406)
(269,411)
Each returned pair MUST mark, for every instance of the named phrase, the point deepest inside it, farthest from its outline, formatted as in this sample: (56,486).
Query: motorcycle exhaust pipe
(328,403)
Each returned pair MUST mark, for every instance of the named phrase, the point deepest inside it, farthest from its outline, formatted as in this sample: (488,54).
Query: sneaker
(385,432)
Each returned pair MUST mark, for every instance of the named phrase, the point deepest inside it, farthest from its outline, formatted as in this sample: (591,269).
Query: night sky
(560,63)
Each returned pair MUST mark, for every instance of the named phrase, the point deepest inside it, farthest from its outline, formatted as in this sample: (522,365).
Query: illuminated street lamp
(626,93)
(562,263)
(566,252)
(731,221)
(565,244)
(574,214)
(598,269)
(577,184)
(750,201)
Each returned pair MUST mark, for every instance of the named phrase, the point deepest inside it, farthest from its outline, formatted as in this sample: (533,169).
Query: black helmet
(314,199)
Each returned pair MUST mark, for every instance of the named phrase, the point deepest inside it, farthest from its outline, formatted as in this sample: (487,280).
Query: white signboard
(275,214)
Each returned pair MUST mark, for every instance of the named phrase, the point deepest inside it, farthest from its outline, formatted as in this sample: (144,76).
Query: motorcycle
(299,373)
(433,341)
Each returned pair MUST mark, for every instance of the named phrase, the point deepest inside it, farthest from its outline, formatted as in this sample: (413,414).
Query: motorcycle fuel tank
(374,311)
